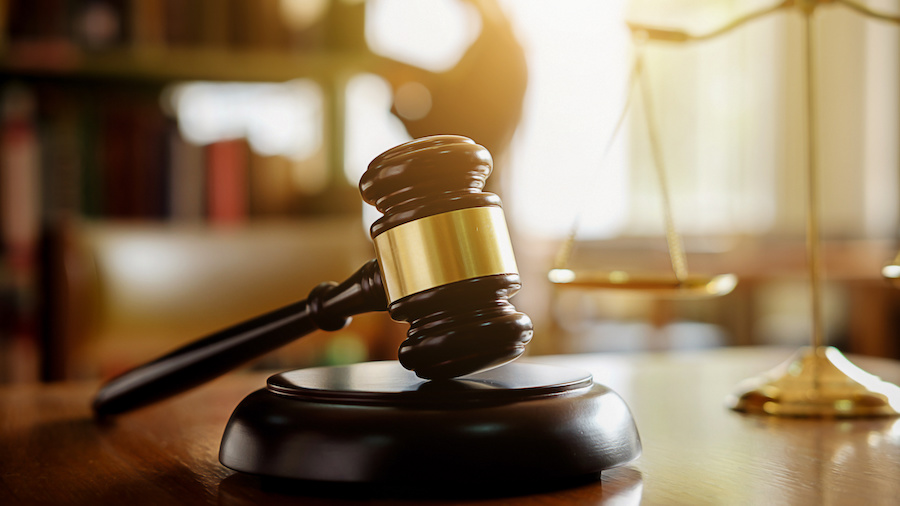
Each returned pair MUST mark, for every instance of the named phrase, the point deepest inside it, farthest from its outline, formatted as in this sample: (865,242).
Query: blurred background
(170,167)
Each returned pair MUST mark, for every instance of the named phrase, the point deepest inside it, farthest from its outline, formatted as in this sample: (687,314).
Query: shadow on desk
(619,486)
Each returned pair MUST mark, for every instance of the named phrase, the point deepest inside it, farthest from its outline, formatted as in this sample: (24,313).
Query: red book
(116,146)
(226,172)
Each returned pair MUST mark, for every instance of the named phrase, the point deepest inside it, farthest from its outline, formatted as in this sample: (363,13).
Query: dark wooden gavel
(444,264)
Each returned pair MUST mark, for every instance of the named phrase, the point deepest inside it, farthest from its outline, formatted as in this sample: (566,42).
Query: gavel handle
(328,307)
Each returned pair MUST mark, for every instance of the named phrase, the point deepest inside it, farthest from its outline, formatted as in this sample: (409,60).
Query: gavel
(444,264)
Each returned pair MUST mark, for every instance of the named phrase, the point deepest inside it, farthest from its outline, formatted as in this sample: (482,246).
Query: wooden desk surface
(695,450)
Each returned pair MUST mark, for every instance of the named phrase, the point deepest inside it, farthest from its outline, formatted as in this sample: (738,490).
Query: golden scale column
(818,380)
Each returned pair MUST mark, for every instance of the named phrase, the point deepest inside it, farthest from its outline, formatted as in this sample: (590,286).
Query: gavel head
(445,256)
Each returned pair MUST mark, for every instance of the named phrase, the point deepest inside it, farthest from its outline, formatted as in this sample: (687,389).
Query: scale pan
(696,286)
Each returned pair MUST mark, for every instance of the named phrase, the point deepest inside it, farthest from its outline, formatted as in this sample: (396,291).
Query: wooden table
(695,450)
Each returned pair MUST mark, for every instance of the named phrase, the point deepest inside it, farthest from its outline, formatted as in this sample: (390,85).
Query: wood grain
(695,450)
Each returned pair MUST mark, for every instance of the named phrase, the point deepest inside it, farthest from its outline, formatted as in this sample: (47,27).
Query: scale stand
(818,381)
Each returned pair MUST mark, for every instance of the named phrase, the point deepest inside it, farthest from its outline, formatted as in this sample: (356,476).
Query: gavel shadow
(621,485)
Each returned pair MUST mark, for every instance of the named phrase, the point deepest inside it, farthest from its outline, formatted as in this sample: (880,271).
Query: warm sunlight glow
(277,119)
(432,34)
(891,271)
(301,14)
(413,100)
(578,69)
(871,382)
(370,128)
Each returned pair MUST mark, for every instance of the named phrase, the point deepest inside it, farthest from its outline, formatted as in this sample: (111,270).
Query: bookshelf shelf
(163,65)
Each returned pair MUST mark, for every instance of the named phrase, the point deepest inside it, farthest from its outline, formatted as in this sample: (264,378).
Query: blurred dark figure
(481,97)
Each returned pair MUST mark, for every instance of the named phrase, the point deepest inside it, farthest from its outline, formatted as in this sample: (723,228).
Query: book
(61,154)
(117,124)
(20,185)
(148,159)
(271,186)
(187,180)
(20,223)
(226,177)
(148,24)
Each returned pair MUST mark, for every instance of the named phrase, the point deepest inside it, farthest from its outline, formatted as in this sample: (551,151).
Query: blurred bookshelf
(86,140)
(164,65)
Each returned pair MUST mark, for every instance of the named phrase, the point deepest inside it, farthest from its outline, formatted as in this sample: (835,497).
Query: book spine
(271,186)
(61,155)
(226,163)
(20,184)
(148,159)
(92,182)
(148,24)
(20,170)
(116,170)
(187,180)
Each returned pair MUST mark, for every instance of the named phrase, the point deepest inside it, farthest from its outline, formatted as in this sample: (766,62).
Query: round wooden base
(376,422)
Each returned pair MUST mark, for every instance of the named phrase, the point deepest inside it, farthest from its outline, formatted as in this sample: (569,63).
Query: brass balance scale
(818,380)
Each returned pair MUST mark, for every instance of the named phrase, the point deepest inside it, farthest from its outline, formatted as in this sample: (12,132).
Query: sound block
(378,423)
